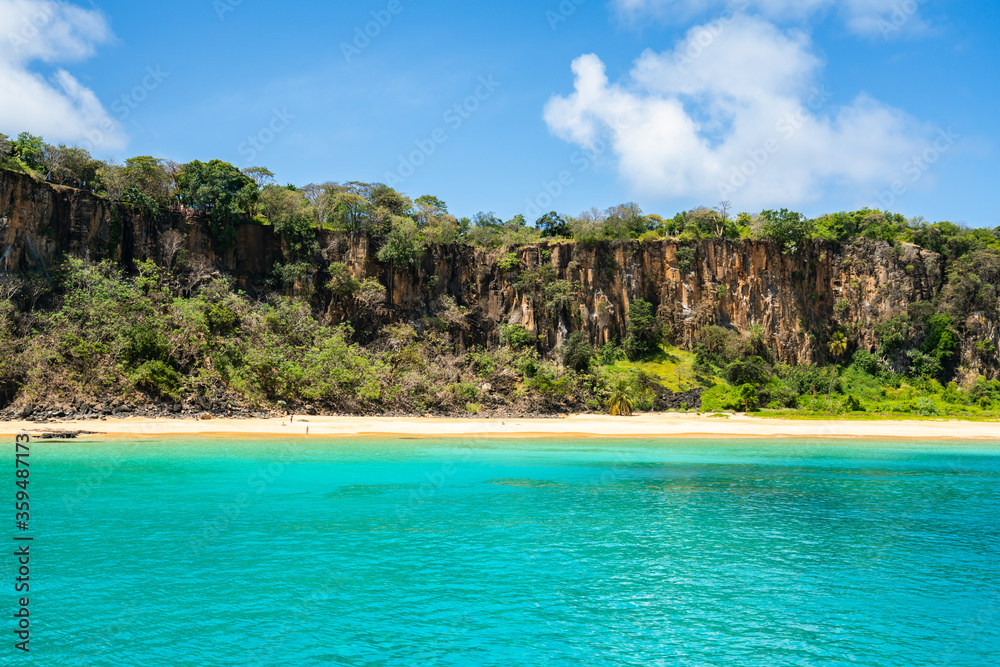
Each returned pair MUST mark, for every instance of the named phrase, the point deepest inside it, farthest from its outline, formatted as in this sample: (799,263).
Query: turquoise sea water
(520,552)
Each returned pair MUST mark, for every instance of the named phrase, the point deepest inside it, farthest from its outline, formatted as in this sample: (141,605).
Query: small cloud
(59,108)
(734,112)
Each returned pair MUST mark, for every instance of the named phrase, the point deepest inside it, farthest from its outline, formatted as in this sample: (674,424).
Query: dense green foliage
(101,332)
(645,333)
(228,195)
(106,334)
(515,336)
(867,384)
(221,190)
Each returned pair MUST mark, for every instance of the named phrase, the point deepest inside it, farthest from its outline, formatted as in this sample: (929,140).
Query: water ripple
(640,553)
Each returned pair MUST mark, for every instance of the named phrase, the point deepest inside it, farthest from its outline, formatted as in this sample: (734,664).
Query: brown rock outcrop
(732,283)
(559,288)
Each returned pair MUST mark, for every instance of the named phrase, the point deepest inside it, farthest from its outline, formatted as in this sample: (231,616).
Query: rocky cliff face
(557,289)
(795,297)
(38,221)
(41,222)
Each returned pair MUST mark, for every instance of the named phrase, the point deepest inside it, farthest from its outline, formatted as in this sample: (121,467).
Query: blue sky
(816,105)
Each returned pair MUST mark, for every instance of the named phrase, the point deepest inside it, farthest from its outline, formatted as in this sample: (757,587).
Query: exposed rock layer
(797,298)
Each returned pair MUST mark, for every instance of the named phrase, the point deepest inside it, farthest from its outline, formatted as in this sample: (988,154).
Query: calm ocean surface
(519,552)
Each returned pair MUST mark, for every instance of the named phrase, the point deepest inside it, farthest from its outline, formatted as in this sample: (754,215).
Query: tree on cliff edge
(790,229)
(31,150)
(223,191)
(146,174)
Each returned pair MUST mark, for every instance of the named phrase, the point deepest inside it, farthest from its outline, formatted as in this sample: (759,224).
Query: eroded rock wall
(41,222)
(796,297)
(732,283)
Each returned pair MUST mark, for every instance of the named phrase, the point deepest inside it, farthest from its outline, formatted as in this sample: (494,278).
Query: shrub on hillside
(577,352)
(158,379)
(515,336)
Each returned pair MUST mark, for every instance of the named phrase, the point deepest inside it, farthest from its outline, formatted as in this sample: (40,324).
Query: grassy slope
(674,368)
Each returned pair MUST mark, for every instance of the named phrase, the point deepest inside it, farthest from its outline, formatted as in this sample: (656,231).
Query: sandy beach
(659,425)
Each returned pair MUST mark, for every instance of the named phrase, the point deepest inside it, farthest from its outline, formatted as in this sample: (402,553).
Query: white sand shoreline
(669,425)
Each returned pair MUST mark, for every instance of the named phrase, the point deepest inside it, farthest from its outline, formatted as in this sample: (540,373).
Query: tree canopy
(220,189)
(227,194)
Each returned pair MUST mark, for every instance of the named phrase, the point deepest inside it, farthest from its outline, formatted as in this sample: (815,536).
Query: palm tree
(620,402)
(837,347)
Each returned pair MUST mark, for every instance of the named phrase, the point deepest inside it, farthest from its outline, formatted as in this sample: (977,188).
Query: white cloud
(59,108)
(888,18)
(734,112)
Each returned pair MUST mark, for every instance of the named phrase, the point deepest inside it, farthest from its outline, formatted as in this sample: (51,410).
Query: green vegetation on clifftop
(161,334)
